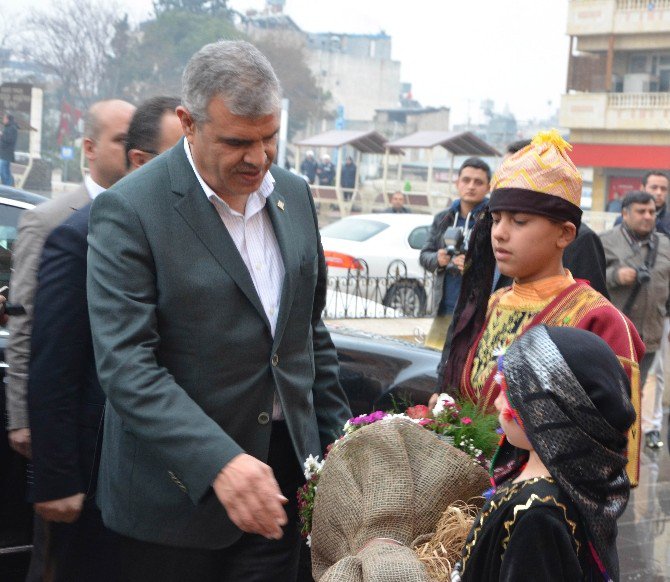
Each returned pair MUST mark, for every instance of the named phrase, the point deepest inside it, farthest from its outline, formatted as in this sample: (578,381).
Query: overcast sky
(454,53)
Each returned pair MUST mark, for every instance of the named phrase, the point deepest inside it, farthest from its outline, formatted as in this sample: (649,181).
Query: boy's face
(529,247)
(514,433)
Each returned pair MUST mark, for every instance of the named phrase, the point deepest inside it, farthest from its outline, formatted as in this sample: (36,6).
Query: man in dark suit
(206,283)
(65,400)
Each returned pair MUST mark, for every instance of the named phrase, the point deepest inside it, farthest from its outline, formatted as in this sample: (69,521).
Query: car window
(418,237)
(356,230)
(9,220)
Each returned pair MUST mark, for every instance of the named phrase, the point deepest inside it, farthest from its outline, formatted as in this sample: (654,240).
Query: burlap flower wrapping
(392,479)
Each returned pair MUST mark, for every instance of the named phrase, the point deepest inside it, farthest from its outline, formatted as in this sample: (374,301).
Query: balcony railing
(643,5)
(639,100)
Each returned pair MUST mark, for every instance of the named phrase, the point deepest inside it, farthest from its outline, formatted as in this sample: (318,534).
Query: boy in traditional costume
(559,471)
(534,214)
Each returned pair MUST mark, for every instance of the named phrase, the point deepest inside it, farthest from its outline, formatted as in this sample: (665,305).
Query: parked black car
(375,372)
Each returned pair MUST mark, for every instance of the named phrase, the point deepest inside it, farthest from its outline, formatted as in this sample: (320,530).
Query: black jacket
(65,400)
(8,141)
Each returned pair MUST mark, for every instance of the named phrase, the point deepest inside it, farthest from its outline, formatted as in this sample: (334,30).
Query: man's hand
(66,509)
(443,258)
(433,401)
(247,489)
(626,275)
(459,261)
(19,440)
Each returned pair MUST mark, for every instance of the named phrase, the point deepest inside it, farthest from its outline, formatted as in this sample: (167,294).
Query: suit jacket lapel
(202,217)
(279,210)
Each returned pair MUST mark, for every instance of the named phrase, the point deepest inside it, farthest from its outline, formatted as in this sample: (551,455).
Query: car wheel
(407,296)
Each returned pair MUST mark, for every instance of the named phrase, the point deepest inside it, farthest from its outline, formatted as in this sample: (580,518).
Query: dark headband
(522,200)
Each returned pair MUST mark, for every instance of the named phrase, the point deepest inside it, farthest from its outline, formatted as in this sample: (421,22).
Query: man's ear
(89,148)
(138,158)
(187,122)
(567,235)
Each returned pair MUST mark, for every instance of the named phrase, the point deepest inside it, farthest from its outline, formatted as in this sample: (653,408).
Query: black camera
(643,275)
(454,241)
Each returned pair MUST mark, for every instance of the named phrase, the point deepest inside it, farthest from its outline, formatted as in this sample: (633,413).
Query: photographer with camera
(444,251)
(638,277)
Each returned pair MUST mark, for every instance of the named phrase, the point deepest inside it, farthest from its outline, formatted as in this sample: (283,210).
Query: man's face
(472,185)
(170,132)
(640,218)
(397,200)
(657,186)
(106,153)
(232,153)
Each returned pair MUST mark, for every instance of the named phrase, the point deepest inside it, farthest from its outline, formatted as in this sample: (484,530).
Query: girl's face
(515,434)
(529,247)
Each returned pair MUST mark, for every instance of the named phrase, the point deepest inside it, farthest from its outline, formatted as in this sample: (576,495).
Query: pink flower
(425,421)
(418,411)
(466,420)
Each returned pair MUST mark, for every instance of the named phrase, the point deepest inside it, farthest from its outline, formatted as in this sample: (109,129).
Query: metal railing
(398,294)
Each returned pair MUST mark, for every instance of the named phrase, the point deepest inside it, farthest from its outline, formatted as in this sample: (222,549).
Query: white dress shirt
(92,187)
(256,242)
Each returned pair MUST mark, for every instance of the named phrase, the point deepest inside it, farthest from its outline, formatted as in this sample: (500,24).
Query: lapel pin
(280,203)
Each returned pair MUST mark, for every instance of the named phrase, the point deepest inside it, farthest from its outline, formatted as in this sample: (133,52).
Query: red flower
(466,420)
(418,411)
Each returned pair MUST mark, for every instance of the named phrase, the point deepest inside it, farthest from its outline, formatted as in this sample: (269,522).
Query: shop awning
(637,157)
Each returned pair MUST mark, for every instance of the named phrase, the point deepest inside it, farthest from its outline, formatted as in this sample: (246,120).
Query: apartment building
(617,101)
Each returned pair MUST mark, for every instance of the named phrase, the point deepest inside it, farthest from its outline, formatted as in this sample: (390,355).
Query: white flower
(308,541)
(312,466)
(442,401)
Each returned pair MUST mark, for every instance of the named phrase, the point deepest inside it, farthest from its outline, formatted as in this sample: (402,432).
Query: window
(353,229)
(9,219)
(418,237)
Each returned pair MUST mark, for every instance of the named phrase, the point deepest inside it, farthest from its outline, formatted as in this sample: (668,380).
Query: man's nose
(256,154)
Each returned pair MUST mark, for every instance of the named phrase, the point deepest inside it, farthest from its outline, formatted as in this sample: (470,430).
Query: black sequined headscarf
(572,398)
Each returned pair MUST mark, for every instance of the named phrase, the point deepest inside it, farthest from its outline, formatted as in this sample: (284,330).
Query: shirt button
(259,267)
(263,418)
(272,310)
(275,360)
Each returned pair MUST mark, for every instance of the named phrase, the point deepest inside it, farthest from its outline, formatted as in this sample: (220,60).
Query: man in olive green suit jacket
(202,375)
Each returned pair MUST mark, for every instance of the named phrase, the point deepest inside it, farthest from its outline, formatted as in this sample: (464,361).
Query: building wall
(360,84)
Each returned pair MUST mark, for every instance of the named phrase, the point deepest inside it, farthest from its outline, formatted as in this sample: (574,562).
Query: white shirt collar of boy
(92,187)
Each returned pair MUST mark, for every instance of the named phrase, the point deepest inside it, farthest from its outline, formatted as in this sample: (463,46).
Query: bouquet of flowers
(463,426)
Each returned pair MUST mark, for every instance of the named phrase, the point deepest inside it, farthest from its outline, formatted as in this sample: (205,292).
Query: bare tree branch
(74,44)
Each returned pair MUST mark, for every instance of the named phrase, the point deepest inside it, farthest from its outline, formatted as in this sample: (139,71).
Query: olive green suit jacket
(185,354)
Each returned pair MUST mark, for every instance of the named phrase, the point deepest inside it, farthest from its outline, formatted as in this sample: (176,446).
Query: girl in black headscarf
(559,473)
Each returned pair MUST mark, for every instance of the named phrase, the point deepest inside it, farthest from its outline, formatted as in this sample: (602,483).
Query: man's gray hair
(236,71)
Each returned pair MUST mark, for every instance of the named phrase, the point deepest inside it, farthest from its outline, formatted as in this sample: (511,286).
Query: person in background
(560,486)
(105,130)
(326,171)
(638,278)
(397,204)
(8,137)
(348,177)
(155,128)
(65,401)
(439,256)
(309,166)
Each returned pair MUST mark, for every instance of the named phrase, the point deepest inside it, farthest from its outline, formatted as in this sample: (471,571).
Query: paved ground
(644,529)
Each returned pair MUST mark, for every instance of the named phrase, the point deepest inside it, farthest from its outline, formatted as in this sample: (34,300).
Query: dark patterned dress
(528,531)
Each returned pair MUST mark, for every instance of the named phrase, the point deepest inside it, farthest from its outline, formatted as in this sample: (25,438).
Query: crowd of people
(172,371)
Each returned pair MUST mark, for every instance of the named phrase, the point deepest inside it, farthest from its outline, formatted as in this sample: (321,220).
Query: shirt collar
(266,188)
(92,187)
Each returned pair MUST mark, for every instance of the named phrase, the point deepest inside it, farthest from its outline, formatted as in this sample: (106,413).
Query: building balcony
(637,17)
(616,111)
